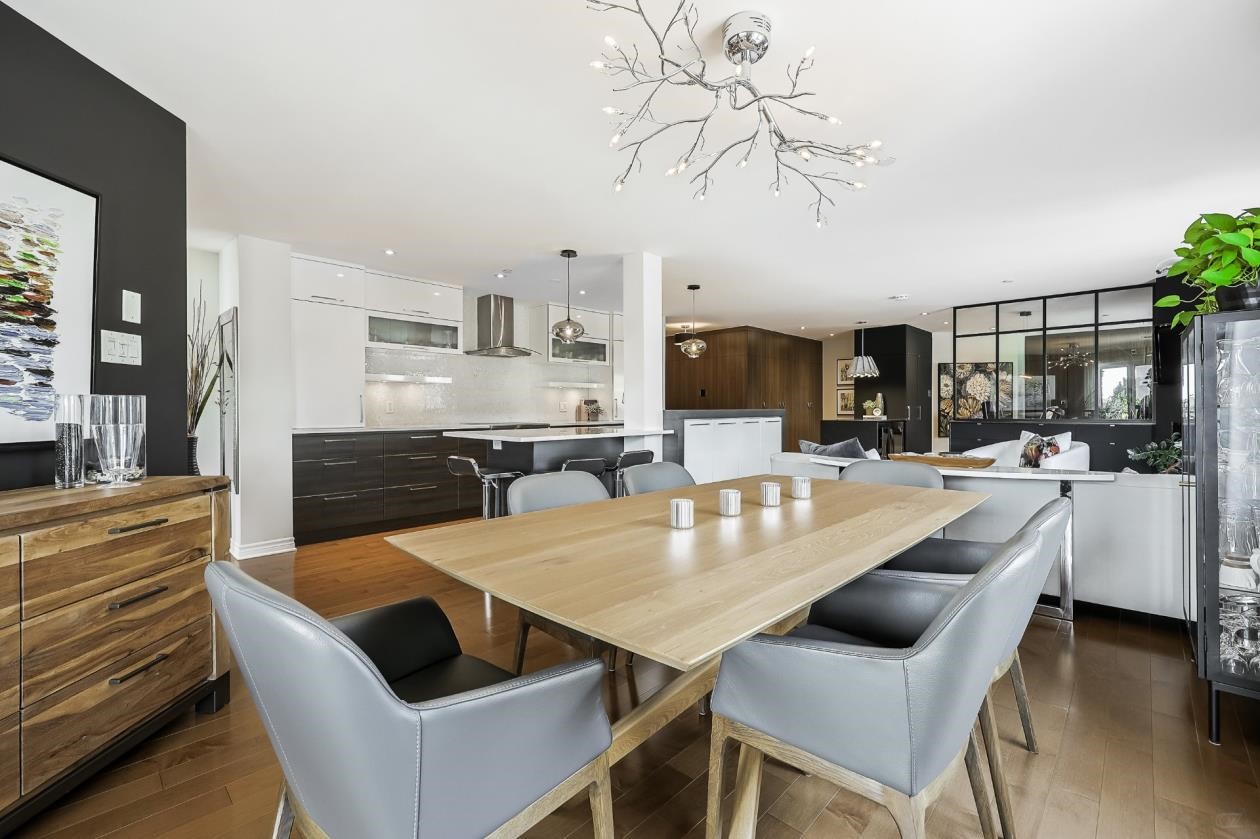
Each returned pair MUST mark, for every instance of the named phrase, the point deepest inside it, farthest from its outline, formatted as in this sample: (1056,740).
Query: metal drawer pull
(423,488)
(158,659)
(419,311)
(325,297)
(423,457)
(341,440)
(340,497)
(340,462)
(424,436)
(145,595)
(140,525)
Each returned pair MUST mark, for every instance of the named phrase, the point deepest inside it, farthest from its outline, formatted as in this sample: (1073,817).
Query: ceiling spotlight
(582,291)
(340,275)
(923,314)
(389,251)
(831,334)
(500,275)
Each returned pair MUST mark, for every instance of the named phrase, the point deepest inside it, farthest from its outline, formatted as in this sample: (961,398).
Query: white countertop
(551,435)
(1014,473)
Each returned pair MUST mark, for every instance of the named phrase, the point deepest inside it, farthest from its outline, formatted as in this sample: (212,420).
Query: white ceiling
(1063,145)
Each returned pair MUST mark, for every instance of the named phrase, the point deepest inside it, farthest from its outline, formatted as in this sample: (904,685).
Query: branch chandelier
(680,63)
(1071,356)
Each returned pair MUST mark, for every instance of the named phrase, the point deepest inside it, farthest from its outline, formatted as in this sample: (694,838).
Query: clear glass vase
(69,441)
(118,432)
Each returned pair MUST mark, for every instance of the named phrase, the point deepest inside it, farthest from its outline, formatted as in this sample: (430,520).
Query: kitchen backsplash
(480,389)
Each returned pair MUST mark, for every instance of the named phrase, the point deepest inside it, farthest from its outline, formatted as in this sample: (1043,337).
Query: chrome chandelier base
(746,37)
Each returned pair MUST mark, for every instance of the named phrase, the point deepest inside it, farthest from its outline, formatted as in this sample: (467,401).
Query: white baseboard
(253,550)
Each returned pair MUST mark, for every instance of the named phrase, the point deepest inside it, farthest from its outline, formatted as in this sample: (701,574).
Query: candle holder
(729,502)
(802,488)
(682,513)
(771,493)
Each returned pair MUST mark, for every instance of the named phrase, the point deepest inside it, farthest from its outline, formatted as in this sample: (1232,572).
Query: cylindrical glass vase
(68,445)
(118,431)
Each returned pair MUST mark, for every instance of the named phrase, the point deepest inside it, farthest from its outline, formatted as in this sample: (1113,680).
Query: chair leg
(747,792)
(522,635)
(910,814)
(601,800)
(1021,700)
(717,779)
(629,659)
(283,826)
(704,704)
(979,789)
(993,749)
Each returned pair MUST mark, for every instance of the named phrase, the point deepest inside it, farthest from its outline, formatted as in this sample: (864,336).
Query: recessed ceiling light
(831,334)
(945,322)
(339,274)
(581,291)
(389,251)
(500,275)
(1007,282)
(437,294)
(802,329)
(859,323)
(923,314)
(900,297)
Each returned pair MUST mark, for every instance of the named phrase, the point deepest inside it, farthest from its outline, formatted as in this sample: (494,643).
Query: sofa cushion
(1064,439)
(848,448)
(1035,450)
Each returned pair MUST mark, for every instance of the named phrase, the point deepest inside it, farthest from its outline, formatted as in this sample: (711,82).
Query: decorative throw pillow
(851,448)
(1065,439)
(1036,449)
(872,454)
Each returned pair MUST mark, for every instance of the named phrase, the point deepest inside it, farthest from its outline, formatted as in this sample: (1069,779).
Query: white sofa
(1075,459)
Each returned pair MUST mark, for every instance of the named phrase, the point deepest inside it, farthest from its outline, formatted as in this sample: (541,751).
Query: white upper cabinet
(618,327)
(417,298)
(328,365)
(326,282)
(596,324)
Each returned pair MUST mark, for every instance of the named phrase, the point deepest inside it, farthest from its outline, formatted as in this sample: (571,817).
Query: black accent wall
(73,121)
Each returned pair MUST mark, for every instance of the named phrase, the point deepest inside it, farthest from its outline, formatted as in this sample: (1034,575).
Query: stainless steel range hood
(496,331)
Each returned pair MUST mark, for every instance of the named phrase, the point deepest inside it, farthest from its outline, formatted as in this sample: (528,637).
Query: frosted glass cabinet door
(328,365)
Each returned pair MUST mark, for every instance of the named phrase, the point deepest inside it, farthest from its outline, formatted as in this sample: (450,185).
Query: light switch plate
(120,347)
(131,306)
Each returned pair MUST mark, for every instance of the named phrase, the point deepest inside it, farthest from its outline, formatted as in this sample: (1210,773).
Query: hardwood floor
(1119,714)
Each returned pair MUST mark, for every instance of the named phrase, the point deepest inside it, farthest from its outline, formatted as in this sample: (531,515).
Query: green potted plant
(1163,457)
(202,374)
(1220,263)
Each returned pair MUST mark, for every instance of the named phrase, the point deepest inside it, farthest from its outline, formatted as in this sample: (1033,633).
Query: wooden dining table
(617,571)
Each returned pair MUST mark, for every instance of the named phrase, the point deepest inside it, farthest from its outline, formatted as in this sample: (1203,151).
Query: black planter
(193,469)
(1238,298)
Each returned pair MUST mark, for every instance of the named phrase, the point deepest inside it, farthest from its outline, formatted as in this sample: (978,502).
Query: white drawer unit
(725,448)
(417,298)
(322,281)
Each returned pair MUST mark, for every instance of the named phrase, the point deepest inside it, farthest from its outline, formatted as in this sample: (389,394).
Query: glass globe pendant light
(864,366)
(567,330)
(694,346)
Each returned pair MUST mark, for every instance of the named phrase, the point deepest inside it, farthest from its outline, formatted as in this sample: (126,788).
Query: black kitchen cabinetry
(352,483)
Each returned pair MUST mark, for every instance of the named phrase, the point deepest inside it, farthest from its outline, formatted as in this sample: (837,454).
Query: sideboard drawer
(74,723)
(10,670)
(63,646)
(69,562)
(10,581)
(10,761)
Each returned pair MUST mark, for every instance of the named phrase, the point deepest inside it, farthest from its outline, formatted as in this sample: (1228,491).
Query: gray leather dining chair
(889,607)
(885,722)
(896,472)
(544,492)
(653,477)
(383,727)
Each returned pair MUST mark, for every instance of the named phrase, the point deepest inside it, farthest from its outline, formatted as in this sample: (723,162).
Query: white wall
(942,353)
(203,281)
(833,349)
(254,275)
(644,327)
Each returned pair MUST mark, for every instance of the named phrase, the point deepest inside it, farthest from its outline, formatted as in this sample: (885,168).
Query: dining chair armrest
(498,749)
(944,556)
(844,703)
(401,638)
(891,610)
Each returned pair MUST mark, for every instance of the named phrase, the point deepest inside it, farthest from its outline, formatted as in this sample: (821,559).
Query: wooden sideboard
(106,628)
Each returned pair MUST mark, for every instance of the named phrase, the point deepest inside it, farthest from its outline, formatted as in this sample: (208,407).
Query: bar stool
(625,460)
(596,466)
(491,483)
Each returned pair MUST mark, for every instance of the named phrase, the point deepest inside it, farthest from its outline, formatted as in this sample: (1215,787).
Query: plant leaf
(1168,301)
(1210,245)
(1181,266)
(1226,258)
(1183,252)
(1195,231)
(1221,221)
(1251,255)
(1238,239)
(1222,276)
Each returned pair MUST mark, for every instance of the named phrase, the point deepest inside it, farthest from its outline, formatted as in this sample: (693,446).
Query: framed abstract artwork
(844,372)
(844,401)
(47,283)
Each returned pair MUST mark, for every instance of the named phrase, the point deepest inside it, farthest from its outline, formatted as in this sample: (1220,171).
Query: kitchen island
(532,450)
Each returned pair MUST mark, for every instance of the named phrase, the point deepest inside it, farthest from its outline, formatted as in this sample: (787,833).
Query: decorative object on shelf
(118,432)
(844,372)
(47,271)
(1220,264)
(802,488)
(870,408)
(680,63)
(68,446)
(771,492)
(203,374)
(844,402)
(1163,457)
(682,513)
(1070,356)
(567,330)
(864,366)
(694,346)
(729,502)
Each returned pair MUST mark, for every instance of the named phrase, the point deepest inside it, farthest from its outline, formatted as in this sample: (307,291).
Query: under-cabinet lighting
(575,385)
(409,378)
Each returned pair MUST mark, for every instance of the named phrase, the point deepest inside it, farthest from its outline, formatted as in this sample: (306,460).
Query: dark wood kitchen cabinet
(747,367)
(357,482)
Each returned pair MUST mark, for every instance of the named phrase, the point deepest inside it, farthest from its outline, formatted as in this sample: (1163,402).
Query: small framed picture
(844,372)
(844,401)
